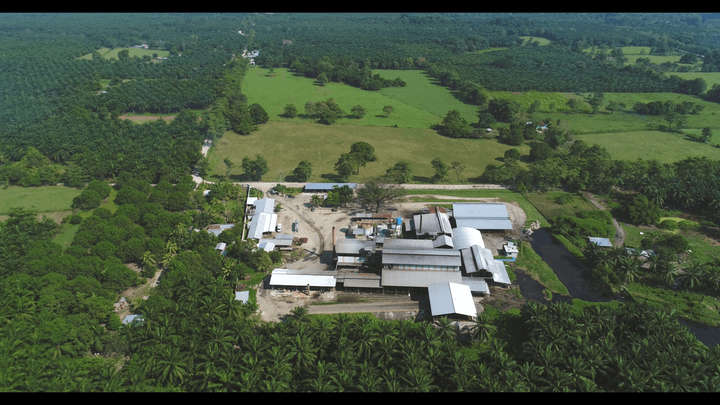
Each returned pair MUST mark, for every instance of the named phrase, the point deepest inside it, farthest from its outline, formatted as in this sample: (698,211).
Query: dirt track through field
(619,232)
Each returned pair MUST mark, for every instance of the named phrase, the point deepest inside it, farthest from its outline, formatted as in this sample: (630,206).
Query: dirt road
(619,232)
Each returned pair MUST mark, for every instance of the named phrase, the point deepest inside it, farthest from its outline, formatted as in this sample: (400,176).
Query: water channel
(579,283)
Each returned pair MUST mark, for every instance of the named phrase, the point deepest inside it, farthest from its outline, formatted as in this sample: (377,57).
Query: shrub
(87,200)
(688,225)
(668,225)
(75,219)
(564,198)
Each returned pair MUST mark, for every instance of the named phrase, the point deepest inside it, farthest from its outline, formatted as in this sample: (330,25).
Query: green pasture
(285,144)
(108,53)
(540,40)
(38,199)
(687,304)
(546,203)
(488,50)
(418,105)
(664,147)
(525,99)
(711,78)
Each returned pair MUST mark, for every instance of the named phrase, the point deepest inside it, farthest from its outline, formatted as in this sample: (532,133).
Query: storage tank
(398,221)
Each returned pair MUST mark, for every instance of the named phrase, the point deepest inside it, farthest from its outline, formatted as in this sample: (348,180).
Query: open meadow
(664,147)
(420,104)
(285,144)
(38,199)
(108,53)
(711,78)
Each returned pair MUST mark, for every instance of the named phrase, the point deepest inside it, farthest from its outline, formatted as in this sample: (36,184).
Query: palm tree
(667,272)
(711,279)
(173,366)
(446,329)
(483,328)
(692,275)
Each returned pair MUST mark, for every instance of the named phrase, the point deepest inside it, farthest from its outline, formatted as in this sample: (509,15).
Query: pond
(580,284)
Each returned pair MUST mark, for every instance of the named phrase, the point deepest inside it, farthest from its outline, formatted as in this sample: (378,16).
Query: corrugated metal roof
(221,246)
(500,275)
(251,200)
(476,284)
(353,246)
(443,241)
(327,186)
(408,244)
(418,278)
(260,224)
(476,210)
(130,318)
(242,296)
(451,298)
(217,229)
(603,242)
(266,245)
(476,258)
(464,237)
(283,277)
(284,236)
(476,223)
(432,224)
(361,283)
(266,205)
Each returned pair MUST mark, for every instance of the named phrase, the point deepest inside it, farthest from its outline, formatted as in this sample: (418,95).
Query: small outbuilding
(601,242)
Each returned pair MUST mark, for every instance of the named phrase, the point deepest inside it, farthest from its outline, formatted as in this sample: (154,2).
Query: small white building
(511,250)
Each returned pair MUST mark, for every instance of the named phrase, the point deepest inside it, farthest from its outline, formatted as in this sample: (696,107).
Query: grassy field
(525,99)
(687,304)
(711,78)
(420,104)
(546,204)
(285,144)
(39,199)
(663,146)
(540,41)
(108,53)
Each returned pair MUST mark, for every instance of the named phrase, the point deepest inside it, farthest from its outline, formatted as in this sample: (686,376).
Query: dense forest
(60,123)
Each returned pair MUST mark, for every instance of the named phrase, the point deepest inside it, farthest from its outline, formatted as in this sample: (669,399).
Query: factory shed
(266,245)
(261,223)
(433,224)
(418,278)
(266,205)
(421,259)
(451,299)
(407,244)
(302,278)
(443,241)
(465,237)
(489,216)
(476,284)
(360,280)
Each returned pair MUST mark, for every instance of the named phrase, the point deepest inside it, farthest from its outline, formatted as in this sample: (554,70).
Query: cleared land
(146,118)
(108,53)
(285,144)
(418,105)
(711,78)
(539,40)
(664,147)
(39,199)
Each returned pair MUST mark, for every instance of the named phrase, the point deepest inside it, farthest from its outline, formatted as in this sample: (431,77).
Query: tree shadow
(475,180)
(421,179)
(335,178)
(381,116)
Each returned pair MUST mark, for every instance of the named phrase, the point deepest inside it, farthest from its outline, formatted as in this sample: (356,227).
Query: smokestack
(333,238)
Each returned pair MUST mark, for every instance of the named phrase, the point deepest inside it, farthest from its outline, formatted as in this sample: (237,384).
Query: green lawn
(39,199)
(285,144)
(420,104)
(663,146)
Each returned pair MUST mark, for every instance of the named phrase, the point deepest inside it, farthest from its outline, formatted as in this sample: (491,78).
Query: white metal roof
(221,246)
(477,223)
(260,224)
(465,237)
(327,186)
(266,205)
(266,245)
(480,210)
(451,298)
(442,241)
(251,200)
(408,244)
(285,277)
(242,296)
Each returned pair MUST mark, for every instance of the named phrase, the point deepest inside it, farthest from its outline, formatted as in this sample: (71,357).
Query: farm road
(619,233)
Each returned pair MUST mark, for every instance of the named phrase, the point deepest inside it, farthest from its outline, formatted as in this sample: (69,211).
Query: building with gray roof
(433,224)
(488,216)
(451,299)
(303,278)
(465,237)
(217,229)
(418,278)
(325,187)
(261,223)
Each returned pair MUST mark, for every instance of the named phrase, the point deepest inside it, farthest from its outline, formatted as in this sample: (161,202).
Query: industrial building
(483,217)
(325,187)
(263,218)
